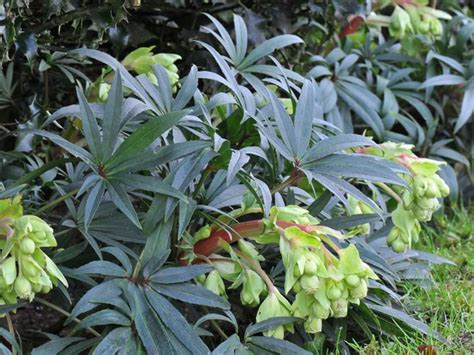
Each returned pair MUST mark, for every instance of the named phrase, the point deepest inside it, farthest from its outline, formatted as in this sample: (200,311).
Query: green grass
(448,305)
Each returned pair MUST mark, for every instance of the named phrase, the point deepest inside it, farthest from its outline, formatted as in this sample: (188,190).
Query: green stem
(65,313)
(215,325)
(138,265)
(11,330)
(219,329)
(293,178)
(258,269)
(57,201)
(390,192)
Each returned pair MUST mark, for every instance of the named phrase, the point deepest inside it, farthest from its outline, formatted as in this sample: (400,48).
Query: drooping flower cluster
(416,18)
(25,269)
(324,283)
(139,61)
(324,279)
(417,203)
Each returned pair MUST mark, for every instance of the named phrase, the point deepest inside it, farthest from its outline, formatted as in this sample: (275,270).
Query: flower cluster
(25,269)
(324,283)
(140,61)
(419,201)
(416,19)
(323,278)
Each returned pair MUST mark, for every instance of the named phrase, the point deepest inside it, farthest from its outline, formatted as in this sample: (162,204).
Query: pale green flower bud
(320,312)
(36,287)
(339,308)
(275,305)
(253,287)
(352,280)
(422,215)
(393,235)
(9,270)
(215,283)
(426,203)
(333,293)
(420,185)
(436,28)
(22,288)
(313,325)
(203,233)
(27,246)
(360,291)
(104,90)
(311,264)
(400,23)
(309,283)
(249,249)
(292,213)
(399,246)
(442,186)
(432,190)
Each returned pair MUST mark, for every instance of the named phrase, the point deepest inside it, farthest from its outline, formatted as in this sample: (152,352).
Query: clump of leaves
(152,169)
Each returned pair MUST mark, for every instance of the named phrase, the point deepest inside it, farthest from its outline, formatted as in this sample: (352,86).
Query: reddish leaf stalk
(353,25)
(247,229)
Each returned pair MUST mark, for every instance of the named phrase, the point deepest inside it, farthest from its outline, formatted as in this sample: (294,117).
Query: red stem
(240,230)
(352,26)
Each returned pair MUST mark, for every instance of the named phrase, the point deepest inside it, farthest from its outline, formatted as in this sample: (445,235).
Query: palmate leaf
(237,51)
(128,154)
(136,143)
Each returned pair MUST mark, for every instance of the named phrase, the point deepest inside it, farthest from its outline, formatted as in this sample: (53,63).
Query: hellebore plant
(322,277)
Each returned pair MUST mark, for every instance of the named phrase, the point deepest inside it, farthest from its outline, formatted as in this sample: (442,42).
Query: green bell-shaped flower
(22,288)
(215,283)
(275,305)
(253,287)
